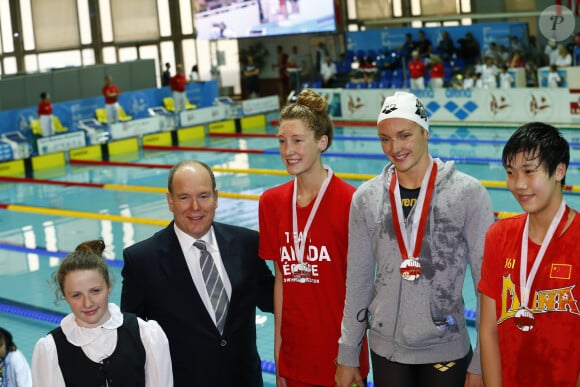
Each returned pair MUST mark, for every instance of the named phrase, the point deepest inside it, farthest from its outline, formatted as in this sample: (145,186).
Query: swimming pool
(89,200)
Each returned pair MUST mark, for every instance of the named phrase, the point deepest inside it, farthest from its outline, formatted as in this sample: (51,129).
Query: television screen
(233,19)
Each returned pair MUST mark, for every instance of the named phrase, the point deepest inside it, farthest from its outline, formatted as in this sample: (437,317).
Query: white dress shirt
(192,255)
(99,343)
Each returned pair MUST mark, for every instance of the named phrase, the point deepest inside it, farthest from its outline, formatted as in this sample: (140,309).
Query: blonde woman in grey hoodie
(413,231)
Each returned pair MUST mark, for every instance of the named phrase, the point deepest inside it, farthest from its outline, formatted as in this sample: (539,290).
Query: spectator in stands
(408,47)
(423,45)
(437,72)
(576,50)
(368,69)
(194,74)
(531,72)
(492,52)
(14,368)
(554,80)
(469,49)
(45,115)
(517,60)
(252,76)
(563,59)
(477,80)
(283,76)
(296,70)
(328,72)
(505,78)
(111,93)
(533,50)
(417,71)
(504,56)
(550,52)
(469,79)
(516,45)
(445,47)
(489,73)
(166,76)
(177,84)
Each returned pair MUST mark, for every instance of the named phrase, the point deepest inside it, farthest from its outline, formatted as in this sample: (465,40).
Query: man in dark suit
(163,281)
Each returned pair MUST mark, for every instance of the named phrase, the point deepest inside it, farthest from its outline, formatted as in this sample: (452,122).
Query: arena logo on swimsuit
(549,300)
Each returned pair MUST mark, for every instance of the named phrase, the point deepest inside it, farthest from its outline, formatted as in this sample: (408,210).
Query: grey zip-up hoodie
(421,321)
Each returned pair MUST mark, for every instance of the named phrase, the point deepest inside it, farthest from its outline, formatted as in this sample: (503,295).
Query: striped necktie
(214,285)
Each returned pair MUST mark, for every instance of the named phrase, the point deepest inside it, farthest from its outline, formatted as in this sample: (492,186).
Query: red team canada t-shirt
(548,354)
(312,306)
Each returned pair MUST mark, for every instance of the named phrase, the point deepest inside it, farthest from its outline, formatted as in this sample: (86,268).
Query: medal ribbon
(299,246)
(412,243)
(526,283)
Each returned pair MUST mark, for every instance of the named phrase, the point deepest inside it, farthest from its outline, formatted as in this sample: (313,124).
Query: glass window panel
(397,8)
(10,66)
(59,59)
(415,7)
(55,24)
(204,58)
(151,52)
(134,20)
(168,55)
(6,27)
(230,71)
(106,23)
(109,55)
(30,63)
(88,56)
(351,9)
(84,21)
(373,9)
(27,28)
(189,55)
(164,19)
(186,20)
(466,6)
(128,54)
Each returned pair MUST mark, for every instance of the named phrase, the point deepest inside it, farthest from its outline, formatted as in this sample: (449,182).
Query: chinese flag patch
(561,271)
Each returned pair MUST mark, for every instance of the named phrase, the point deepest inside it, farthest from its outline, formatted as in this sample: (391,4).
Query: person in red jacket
(45,115)
(177,84)
(111,94)
(417,71)
(437,72)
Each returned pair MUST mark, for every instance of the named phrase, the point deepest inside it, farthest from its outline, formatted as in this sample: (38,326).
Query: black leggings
(445,374)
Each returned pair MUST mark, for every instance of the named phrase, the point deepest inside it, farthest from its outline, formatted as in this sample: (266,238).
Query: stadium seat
(168,103)
(101,115)
(170,106)
(189,105)
(124,116)
(58,128)
(35,127)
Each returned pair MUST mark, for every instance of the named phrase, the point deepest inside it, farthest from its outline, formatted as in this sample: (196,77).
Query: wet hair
(312,110)
(541,141)
(185,163)
(87,256)
(6,337)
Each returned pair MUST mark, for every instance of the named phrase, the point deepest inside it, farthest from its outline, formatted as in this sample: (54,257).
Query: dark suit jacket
(157,285)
